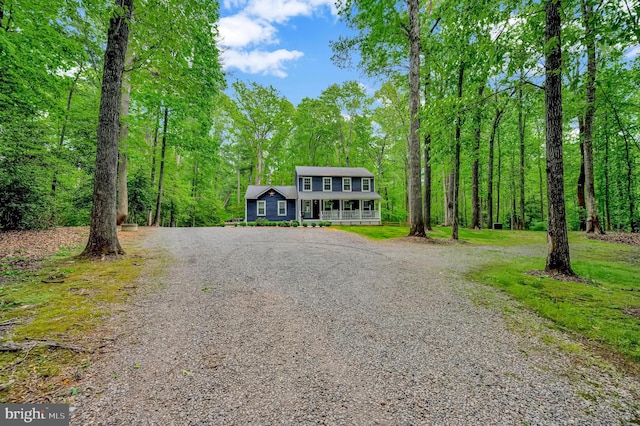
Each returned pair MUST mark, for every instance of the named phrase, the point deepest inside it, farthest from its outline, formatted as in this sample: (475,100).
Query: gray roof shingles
(254,191)
(333,171)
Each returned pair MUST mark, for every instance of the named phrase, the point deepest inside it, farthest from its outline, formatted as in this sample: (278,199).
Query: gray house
(341,195)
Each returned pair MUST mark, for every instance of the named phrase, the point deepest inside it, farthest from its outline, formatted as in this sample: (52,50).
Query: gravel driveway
(317,326)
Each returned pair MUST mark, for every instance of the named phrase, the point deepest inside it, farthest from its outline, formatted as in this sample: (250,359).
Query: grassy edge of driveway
(603,310)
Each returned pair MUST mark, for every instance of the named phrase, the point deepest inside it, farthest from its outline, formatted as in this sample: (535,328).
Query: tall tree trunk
(475,168)
(521,128)
(415,197)
(445,197)
(512,191)
(194,191)
(492,138)
(541,184)
(629,161)
(499,183)
(427,161)
(456,157)
(122,210)
(153,160)
(157,215)
(450,187)
(581,202)
(259,166)
(558,258)
(593,224)
(427,182)
(607,205)
(65,123)
(103,236)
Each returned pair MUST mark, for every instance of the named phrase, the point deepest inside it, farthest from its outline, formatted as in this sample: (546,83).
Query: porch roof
(339,195)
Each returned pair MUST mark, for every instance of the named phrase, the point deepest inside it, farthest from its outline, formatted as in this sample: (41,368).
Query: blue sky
(282,43)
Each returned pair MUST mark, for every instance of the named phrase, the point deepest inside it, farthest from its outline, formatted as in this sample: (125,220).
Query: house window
(327,205)
(326,184)
(282,208)
(346,184)
(366,185)
(306,184)
(262,208)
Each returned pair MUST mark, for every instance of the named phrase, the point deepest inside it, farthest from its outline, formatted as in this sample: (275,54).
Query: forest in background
(189,145)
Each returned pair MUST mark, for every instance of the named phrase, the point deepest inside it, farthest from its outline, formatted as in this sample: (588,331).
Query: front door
(306,209)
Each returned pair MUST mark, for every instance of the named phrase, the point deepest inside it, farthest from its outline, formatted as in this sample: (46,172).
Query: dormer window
(326,184)
(346,184)
(306,184)
(366,185)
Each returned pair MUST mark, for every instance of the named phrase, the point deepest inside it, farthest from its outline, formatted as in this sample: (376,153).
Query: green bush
(304,224)
(313,224)
(262,222)
(538,226)
(242,224)
(295,224)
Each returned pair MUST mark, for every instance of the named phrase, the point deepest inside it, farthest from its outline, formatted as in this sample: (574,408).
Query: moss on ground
(64,302)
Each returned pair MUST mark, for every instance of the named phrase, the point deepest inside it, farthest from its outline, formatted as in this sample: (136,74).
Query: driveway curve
(317,326)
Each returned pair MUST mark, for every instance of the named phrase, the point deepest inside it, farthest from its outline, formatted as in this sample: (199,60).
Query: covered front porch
(340,210)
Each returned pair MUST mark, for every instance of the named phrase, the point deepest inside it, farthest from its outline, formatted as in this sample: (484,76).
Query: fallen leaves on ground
(632,239)
(36,245)
(24,250)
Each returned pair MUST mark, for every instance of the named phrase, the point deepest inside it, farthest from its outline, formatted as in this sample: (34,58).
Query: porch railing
(333,215)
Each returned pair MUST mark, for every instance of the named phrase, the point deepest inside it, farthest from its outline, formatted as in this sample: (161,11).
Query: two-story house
(341,195)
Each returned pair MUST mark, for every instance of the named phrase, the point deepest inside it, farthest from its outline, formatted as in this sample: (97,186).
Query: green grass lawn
(598,309)
(483,236)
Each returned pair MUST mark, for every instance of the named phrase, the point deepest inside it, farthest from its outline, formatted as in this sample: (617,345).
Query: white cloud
(260,61)
(252,27)
(281,11)
(230,4)
(239,31)
(632,52)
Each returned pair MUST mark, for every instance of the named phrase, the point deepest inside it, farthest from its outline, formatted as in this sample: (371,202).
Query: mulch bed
(558,276)
(430,240)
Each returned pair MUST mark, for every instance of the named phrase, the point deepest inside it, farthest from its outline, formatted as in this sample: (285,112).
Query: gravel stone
(266,326)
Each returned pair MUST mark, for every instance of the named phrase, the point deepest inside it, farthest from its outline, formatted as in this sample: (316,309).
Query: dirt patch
(559,277)
(430,240)
(632,239)
(633,311)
